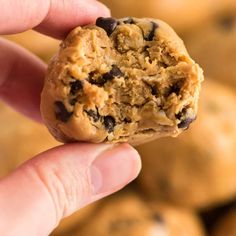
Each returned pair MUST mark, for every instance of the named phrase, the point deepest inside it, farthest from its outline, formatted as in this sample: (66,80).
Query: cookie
(75,221)
(213,46)
(128,215)
(128,80)
(227,225)
(182,15)
(20,139)
(198,169)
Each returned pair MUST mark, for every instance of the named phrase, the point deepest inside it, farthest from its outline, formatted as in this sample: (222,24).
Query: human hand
(36,196)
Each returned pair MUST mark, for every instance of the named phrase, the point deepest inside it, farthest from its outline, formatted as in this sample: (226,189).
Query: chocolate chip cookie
(128,80)
(198,169)
(213,46)
(128,215)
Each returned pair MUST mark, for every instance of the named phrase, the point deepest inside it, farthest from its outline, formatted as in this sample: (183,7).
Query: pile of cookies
(188,184)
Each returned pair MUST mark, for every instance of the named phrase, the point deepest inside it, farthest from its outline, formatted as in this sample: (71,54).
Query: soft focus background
(188,184)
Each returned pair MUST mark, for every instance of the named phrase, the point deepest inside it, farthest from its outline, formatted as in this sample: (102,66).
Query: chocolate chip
(94,114)
(227,22)
(114,72)
(154,91)
(75,86)
(108,24)
(61,113)
(73,101)
(109,123)
(99,82)
(127,120)
(152,32)
(184,124)
(158,218)
(129,21)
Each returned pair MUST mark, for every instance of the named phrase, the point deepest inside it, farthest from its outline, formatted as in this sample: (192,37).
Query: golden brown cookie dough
(226,226)
(128,215)
(121,80)
(182,15)
(198,169)
(213,46)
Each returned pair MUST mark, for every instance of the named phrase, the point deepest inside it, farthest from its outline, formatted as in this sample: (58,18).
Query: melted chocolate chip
(152,32)
(184,124)
(227,22)
(108,24)
(129,21)
(158,218)
(127,120)
(99,82)
(109,123)
(61,113)
(114,72)
(94,114)
(154,91)
(76,86)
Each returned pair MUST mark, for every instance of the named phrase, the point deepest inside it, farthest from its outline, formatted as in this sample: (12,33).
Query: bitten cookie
(128,215)
(121,80)
(213,46)
(198,169)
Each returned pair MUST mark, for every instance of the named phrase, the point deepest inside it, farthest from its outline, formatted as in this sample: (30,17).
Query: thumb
(60,181)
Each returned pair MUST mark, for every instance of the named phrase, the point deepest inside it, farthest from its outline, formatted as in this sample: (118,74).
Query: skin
(56,183)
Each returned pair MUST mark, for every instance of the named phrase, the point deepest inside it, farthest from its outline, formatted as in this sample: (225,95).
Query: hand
(36,196)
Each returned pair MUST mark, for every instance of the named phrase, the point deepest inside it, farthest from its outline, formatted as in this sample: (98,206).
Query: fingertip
(76,12)
(116,168)
(137,163)
(105,11)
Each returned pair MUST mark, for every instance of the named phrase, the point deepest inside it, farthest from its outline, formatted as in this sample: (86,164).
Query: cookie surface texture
(128,80)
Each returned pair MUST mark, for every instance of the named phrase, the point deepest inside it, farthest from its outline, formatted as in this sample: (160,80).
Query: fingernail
(114,168)
(104,9)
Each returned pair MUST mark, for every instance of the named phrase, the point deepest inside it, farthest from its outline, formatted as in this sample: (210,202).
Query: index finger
(51,17)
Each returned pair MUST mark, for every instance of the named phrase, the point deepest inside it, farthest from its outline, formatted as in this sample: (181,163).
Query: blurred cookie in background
(226,226)
(197,169)
(128,215)
(182,15)
(213,46)
(41,45)
(76,221)
(20,139)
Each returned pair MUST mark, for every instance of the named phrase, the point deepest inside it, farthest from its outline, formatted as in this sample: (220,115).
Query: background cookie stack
(188,184)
